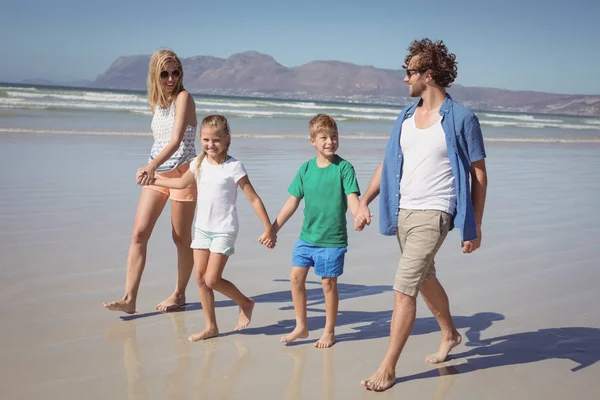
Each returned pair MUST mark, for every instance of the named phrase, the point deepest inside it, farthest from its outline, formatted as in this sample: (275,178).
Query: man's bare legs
(403,320)
(436,299)
(331,309)
(298,283)
(150,207)
(209,279)
(182,217)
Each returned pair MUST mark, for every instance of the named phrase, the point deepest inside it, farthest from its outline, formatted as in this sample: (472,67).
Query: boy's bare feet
(174,302)
(380,381)
(245,316)
(444,349)
(126,306)
(297,333)
(327,340)
(205,334)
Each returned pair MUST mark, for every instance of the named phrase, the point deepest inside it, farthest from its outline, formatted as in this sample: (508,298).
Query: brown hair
(434,57)
(320,123)
(219,123)
(156,94)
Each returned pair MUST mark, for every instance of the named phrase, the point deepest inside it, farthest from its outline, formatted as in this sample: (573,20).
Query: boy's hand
(268,239)
(362,217)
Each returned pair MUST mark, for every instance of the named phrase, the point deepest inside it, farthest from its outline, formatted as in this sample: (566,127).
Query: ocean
(59,110)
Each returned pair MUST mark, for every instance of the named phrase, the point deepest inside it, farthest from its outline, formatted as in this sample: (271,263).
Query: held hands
(362,217)
(268,239)
(145,175)
(470,246)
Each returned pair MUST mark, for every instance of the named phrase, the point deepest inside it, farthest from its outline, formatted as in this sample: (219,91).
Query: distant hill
(256,74)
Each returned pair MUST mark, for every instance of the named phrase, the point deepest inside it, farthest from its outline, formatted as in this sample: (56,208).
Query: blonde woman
(174,129)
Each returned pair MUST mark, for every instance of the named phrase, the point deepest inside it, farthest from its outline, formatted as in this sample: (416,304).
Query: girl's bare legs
(214,280)
(298,282)
(207,297)
(150,207)
(182,217)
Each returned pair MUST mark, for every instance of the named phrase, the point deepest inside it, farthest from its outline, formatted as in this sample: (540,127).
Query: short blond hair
(156,94)
(322,123)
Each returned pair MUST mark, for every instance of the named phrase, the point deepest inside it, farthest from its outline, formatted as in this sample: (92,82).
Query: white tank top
(162,130)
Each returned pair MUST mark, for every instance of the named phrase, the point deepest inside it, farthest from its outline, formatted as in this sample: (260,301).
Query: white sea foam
(521,117)
(537,125)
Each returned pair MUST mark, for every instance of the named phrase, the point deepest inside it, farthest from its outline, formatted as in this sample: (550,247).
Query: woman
(174,130)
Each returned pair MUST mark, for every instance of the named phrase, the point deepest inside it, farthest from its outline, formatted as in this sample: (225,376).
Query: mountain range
(256,74)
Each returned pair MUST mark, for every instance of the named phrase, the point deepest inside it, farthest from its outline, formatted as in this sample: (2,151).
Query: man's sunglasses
(175,74)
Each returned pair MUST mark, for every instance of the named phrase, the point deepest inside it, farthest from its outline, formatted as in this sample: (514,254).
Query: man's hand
(471,245)
(362,217)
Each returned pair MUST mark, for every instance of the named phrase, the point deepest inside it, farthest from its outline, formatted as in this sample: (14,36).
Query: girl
(174,130)
(217,176)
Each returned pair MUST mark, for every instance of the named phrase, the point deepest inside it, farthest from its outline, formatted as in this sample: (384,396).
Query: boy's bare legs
(182,217)
(436,299)
(207,297)
(149,209)
(331,309)
(214,280)
(403,320)
(298,283)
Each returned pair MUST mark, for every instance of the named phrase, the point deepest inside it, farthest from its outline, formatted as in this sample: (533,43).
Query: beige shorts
(420,235)
(189,193)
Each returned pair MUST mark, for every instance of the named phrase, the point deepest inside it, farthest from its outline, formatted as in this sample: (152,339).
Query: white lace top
(162,130)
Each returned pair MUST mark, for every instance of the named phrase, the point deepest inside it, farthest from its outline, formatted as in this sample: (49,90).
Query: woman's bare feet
(207,333)
(174,302)
(444,349)
(327,340)
(297,333)
(245,316)
(123,305)
(380,381)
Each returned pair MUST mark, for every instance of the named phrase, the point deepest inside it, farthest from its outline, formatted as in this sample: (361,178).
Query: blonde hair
(156,94)
(322,123)
(219,123)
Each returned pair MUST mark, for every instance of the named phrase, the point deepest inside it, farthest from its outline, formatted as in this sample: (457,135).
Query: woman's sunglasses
(175,74)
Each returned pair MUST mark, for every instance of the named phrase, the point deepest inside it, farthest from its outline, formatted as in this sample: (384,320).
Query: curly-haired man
(433,178)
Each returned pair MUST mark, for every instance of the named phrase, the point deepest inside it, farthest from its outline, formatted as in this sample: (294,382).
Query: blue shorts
(328,261)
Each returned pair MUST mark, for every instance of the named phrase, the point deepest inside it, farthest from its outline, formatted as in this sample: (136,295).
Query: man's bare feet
(245,316)
(380,381)
(444,349)
(174,302)
(126,306)
(297,333)
(205,334)
(327,340)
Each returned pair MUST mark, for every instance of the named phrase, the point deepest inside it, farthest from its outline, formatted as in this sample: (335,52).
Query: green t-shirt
(325,192)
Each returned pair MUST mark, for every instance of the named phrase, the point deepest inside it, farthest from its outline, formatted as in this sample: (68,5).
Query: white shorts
(216,242)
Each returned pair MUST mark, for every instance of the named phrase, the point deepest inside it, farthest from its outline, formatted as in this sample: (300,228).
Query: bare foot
(174,302)
(245,316)
(444,349)
(126,306)
(327,340)
(297,333)
(205,334)
(380,381)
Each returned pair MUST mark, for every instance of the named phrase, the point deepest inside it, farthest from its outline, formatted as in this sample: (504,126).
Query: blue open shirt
(465,146)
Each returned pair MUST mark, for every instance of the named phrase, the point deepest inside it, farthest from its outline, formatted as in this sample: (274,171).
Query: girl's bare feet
(207,333)
(126,306)
(297,333)
(327,340)
(245,316)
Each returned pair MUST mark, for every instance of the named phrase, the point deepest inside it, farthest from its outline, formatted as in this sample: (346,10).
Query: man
(433,178)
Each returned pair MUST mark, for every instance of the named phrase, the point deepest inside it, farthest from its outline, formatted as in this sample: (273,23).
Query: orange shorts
(190,193)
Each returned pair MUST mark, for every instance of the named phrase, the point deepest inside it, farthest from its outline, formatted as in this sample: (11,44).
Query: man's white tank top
(162,130)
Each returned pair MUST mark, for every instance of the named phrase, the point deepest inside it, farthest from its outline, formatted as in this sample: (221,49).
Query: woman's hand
(145,175)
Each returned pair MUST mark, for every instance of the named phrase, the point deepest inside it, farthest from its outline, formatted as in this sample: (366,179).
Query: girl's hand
(145,175)
(268,239)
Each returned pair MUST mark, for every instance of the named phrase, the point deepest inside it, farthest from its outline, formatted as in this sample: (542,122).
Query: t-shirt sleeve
(296,188)
(349,181)
(194,166)
(239,172)
(474,138)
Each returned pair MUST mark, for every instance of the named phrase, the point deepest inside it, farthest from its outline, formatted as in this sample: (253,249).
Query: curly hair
(433,56)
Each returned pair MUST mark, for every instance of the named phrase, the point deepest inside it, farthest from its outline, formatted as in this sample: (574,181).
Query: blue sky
(538,45)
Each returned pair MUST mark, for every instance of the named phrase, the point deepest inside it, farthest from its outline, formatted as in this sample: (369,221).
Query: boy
(328,185)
